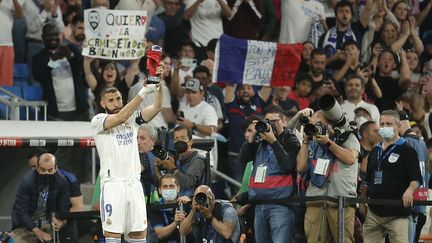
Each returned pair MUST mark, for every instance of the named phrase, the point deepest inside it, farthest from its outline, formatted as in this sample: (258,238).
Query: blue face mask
(386,132)
(169,194)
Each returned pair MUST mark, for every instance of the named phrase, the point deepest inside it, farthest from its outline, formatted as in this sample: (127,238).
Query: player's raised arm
(111,101)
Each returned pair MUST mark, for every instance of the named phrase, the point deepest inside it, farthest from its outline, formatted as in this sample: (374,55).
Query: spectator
(58,69)
(156,32)
(272,177)
(206,21)
(146,137)
(183,68)
(416,76)
(369,137)
(299,19)
(202,73)
(166,116)
(391,87)
(41,193)
(36,16)
(268,30)
(354,87)
(302,90)
(77,34)
(340,159)
(362,114)
(280,98)
(241,103)
(211,220)
(392,173)
(175,29)
(141,5)
(8,9)
(306,57)
(69,233)
(344,30)
(166,222)
(421,114)
(209,62)
(71,12)
(417,212)
(198,114)
(110,77)
(245,20)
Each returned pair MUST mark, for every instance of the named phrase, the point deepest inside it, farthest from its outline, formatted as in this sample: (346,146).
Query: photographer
(166,221)
(211,220)
(273,151)
(187,165)
(333,170)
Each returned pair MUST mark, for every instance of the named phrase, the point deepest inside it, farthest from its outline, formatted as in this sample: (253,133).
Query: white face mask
(169,194)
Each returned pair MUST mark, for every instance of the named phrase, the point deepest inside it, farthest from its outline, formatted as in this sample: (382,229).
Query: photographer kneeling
(273,152)
(332,163)
(211,220)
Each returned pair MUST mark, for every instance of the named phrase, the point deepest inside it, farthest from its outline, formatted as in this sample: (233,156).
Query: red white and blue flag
(256,62)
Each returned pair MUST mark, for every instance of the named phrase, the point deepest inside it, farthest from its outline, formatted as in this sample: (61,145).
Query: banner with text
(114,34)
(256,62)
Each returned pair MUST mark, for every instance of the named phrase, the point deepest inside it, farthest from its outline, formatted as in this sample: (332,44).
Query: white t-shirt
(158,120)
(201,114)
(117,148)
(348,108)
(7,10)
(63,83)
(206,22)
(297,19)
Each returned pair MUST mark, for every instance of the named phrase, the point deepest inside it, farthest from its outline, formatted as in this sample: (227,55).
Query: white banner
(114,34)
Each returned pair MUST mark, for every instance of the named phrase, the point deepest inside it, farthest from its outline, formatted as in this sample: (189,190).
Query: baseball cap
(363,108)
(403,116)
(193,84)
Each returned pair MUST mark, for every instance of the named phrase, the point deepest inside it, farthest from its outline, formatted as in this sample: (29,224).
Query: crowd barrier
(341,202)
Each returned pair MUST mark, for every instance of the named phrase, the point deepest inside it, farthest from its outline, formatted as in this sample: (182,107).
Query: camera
(264,126)
(201,199)
(315,129)
(160,152)
(333,111)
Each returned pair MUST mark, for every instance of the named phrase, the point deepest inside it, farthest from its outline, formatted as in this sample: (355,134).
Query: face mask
(169,194)
(180,146)
(45,179)
(360,120)
(386,132)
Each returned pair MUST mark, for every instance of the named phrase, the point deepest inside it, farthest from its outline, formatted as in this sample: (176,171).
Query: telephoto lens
(201,198)
(262,127)
(160,152)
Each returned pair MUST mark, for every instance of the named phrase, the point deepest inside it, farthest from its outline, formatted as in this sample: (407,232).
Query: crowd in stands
(373,57)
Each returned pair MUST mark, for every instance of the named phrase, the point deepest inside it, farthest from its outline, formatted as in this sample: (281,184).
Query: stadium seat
(21,74)
(33,93)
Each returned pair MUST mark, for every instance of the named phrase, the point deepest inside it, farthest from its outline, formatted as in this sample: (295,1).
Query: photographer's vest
(183,167)
(277,183)
(316,151)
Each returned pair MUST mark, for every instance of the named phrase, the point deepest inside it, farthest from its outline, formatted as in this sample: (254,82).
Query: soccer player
(122,202)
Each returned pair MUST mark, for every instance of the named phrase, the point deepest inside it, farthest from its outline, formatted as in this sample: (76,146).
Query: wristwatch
(210,219)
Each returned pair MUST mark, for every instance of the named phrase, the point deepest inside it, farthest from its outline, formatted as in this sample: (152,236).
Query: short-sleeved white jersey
(117,148)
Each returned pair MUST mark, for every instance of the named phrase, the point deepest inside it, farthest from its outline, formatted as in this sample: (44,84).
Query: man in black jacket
(42,192)
(58,68)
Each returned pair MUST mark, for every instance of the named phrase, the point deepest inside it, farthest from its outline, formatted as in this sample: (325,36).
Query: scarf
(317,30)
(331,39)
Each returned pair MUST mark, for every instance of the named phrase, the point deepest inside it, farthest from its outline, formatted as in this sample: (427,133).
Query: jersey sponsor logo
(124,139)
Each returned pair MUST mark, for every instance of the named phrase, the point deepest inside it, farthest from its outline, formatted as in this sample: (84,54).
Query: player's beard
(115,111)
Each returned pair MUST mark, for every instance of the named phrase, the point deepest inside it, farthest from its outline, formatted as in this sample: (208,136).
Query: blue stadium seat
(21,74)
(33,93)
(13,89)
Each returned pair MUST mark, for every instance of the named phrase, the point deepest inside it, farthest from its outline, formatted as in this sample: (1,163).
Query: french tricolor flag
(256,62)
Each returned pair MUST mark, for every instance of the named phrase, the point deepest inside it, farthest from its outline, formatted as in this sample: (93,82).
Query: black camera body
(315,129)
(160,152)
(201,199)
(264,126)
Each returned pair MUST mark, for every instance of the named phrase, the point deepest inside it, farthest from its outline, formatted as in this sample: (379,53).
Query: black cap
(403,116)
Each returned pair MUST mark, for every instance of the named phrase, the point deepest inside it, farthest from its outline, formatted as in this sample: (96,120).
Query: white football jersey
(117,148)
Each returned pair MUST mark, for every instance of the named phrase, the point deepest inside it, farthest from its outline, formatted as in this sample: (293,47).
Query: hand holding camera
(203,204)
(265,130)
